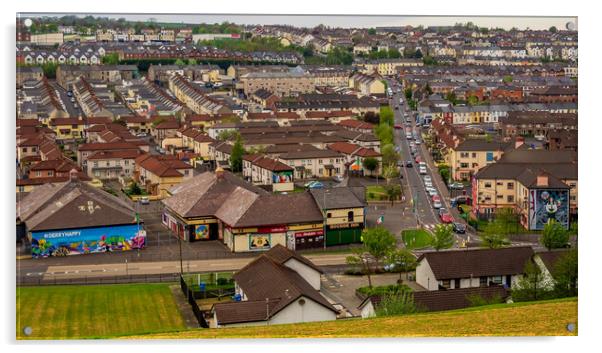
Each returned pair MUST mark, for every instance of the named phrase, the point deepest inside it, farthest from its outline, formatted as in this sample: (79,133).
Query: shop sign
(309,234)
(260,242)
(344,225)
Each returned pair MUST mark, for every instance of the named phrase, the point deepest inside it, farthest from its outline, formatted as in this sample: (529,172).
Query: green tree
(494,235)
(472,100)
(180,62)
(134,189)
(393,53)
(236,157)
(408,93)
(110,59)
(531,285)
(393,192)
(192,61)
(378,242)
(553,29)
(402,259)
(370,164)
(443,237)
(50,70)
(429,60)
(507,79)
(554,235)
(565,273)
(389,155)
(371,31)
(390,172)
(451,96)
(360,258)
(418,54)
(387,116)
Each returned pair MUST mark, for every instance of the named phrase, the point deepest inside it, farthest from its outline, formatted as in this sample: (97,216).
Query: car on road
(445,216)
(418,142)
(459,228)
(428,184)
(337,178)
(69,94)
(431,191)
(417,159)
(72,99)
(437,204)
(408,136)
(422,170)
(144,201)
(396,107)
(461,200)
(409,164)
(456,186)
(427,178)
(398,127)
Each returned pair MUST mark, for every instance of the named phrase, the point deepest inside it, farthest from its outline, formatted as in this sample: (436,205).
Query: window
(320,161)
(489,157)
(95,164)
(350,216)
(328,215)
(488,184)
(510,186)
(463,165)
(499,197)
(38,174)
(446,283)
(24,149)
(483,281)
(50,173)
(127,162)
(21,188)
(496,279)
(510,198)
(474,155)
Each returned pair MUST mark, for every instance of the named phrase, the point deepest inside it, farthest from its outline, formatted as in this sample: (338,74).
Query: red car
(418,160)
(436,198)
(398,127)
(446,217)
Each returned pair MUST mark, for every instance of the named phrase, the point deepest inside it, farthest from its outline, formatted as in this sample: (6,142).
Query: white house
(279,287)
(472,268)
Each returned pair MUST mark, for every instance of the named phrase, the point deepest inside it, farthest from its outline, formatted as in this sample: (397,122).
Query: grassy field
(416,238)
(546,318)
(57,312)
(375,193)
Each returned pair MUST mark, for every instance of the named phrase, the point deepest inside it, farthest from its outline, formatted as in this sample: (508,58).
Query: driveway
(341,288)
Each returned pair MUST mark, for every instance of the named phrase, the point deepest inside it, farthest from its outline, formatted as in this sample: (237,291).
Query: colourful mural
(87,240)
(548,204)
(260,241)
(201,232)
(282,177)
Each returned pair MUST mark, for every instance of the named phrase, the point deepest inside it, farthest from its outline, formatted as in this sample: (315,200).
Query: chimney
(519,142)
(542,180)
(73,174)
(219,173)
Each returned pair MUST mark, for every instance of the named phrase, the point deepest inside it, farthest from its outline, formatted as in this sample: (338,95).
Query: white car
(437,204)
(431,191)
(422,170)
(418,142)
(427,178)
(428,184)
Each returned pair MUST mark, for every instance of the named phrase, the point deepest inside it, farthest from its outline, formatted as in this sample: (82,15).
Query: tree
(135,189)
(236,157)
(531,284)
(494,235)
(387,116)
(473,100)
(192,61)
(428,89)
(553,29)
(451,96)
(554,235)
(408,93)
(429,60)
(443,237)
(393,192)
(507,79)
(418,54)
(565,274)
(390,172)
(370,164)
(403,259)
(110,59)
(389,155)
(371,31)
(378,242)
(359,257)
(180,62)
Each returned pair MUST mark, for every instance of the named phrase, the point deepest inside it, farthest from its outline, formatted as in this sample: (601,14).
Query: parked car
(144,201)
(456,186)
(431,191)
(418,160)
(409,164)
(428,184)
(398,127)
(436,198)
(337,178)
(315,185)
(461,200)
(422,170)
(459,228)
(418,142)
(427,178)
(69,94)
(437,204)
(396,107)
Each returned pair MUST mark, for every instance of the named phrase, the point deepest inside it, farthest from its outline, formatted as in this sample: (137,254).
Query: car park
(459,228)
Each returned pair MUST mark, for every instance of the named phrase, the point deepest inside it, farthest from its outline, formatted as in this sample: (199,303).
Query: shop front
(194,229)
(303,237)
(344,233)
(254,239)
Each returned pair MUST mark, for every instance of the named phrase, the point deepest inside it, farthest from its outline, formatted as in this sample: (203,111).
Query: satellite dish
(570,26)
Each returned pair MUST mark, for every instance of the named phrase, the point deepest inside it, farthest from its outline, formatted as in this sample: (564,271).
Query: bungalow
(279,287)
(455,269)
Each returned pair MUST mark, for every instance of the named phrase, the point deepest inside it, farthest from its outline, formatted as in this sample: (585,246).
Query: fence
(85,280)
(216,284)
(198,313)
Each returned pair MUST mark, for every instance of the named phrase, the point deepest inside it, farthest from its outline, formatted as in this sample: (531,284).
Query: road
(69,106)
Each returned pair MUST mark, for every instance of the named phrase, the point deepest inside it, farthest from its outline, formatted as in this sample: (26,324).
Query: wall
(309,312)
(307,273)
(241,241)
(425,276)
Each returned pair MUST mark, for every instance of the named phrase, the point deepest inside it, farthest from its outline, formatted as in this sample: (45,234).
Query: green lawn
(59,312)
(375,193)
(416,238)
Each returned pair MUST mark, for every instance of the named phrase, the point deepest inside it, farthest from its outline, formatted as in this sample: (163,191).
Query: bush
(478,300)
(397,304)
(223,281)
(383,290)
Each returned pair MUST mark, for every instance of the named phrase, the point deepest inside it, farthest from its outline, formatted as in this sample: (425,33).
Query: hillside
(546,318)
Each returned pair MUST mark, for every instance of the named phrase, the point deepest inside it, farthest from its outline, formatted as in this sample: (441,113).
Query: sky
(346,21)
